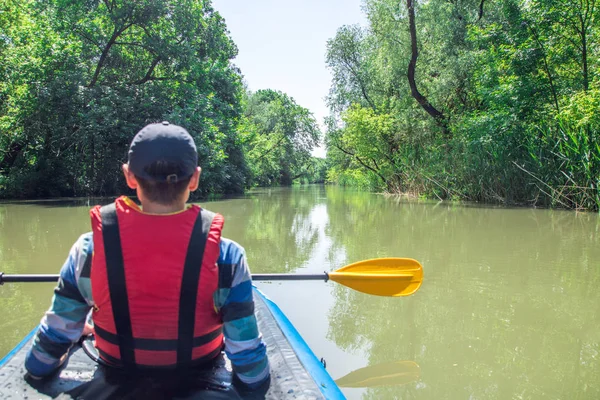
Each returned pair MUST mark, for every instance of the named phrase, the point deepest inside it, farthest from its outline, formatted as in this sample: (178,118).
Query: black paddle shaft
(255,277)
(27,278)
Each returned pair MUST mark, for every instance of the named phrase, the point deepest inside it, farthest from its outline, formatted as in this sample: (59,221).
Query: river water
(509,307)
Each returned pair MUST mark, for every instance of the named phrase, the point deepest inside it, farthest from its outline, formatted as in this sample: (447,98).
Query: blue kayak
(296,373)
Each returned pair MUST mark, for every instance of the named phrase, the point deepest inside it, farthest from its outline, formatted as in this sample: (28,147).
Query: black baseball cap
(163,142)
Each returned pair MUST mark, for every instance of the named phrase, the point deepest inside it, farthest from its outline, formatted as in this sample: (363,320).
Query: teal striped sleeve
(233,299)
(63,323)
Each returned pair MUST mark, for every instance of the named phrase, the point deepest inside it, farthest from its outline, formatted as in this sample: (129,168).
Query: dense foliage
(470,99)
(278,137)
(79,78)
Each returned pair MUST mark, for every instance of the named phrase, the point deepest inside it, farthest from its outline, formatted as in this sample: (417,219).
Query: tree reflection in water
(508,307)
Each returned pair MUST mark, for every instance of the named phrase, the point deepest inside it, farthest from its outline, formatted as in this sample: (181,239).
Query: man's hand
(88,329)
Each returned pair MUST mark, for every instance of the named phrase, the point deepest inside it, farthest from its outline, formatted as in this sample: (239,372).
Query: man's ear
(195,179)
(129,177)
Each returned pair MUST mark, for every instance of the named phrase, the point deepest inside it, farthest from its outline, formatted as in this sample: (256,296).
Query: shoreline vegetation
(478,101)
(493,103)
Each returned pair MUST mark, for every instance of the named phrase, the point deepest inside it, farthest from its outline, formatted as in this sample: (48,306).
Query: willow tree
(486,101)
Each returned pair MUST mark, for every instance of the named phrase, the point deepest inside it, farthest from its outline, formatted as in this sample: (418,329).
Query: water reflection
(35,237)
(387,374)
(275,226)
(509,307)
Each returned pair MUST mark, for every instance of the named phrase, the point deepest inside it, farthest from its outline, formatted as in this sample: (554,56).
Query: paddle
(379,276)
(386,374)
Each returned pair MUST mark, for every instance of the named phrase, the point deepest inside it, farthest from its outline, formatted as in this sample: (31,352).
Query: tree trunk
(546,67)
(439,117)
(584,60)
(10,156)
(111,42)
(92,187)
(480,10)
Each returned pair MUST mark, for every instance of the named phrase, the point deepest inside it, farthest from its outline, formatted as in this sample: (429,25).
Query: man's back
(162,283)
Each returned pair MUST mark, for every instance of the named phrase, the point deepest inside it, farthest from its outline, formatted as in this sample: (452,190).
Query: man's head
(162,164)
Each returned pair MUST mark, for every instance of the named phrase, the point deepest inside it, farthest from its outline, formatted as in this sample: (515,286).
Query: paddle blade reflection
(385,374)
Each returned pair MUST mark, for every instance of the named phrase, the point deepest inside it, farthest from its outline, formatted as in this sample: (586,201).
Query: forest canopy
(79,78)
(484,100)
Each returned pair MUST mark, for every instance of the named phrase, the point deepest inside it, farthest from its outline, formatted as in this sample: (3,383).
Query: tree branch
(360,82)
(10,155)
(108,5)
(148,75)
(546,68)
(480,10)
(361,162)
(271,149)
(85,36)
(422,100)
(111,42)
(143,46)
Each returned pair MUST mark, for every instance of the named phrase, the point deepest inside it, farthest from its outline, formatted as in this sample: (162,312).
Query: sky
(282,45)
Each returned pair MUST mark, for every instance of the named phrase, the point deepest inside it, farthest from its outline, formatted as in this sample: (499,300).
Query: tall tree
(83,77)
(349,59)
(570,29)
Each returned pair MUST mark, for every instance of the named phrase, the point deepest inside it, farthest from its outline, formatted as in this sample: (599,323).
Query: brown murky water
(509,308)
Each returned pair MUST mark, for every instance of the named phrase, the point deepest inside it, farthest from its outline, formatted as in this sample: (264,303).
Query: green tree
(80,78)
(511,85)
(349,59)
(278,136)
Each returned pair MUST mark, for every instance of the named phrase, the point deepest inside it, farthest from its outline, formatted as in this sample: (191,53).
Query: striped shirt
(63,323)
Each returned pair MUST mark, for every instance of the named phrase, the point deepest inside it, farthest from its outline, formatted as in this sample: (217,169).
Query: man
(165,289)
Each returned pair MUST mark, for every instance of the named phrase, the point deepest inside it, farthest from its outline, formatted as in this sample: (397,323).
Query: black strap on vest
(189,287)
(115,273)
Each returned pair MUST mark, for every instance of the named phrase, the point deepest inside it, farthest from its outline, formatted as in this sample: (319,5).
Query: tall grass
(565,164)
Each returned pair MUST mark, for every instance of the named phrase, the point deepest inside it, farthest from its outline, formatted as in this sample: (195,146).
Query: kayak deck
(296,373)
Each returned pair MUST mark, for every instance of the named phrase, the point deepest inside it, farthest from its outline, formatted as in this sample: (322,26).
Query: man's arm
(63,323)
(243,342)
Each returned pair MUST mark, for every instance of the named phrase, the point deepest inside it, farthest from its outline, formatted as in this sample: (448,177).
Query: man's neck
(155,208)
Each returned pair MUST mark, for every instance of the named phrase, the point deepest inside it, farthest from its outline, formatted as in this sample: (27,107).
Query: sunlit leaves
(502,72)
(80,78)
(279,136)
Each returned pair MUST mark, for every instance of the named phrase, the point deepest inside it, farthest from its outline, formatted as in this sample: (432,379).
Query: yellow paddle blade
(386,374)
(381,276)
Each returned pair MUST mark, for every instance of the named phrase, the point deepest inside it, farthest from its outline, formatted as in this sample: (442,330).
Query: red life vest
(153,279)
